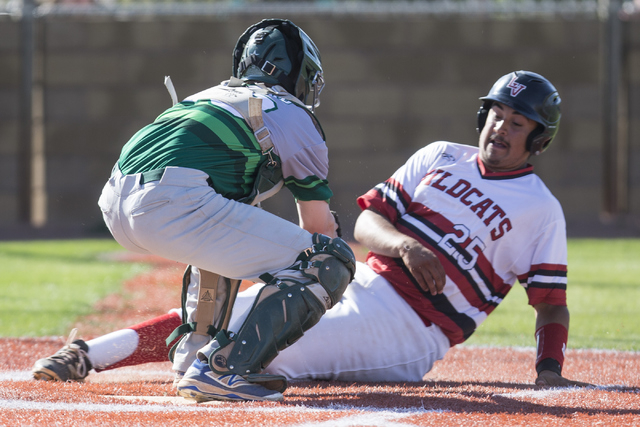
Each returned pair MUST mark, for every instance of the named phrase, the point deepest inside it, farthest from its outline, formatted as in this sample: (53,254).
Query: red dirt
(471,386)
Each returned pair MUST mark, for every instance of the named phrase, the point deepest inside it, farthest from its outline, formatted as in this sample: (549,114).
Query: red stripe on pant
(151,341)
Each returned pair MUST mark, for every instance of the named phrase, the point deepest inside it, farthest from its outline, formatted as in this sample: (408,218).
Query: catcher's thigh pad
(286,307)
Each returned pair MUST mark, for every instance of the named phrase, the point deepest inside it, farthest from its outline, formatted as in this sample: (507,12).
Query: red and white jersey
(488,229)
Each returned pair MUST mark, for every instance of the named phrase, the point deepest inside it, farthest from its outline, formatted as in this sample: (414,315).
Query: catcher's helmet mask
(534,97)
(259,55)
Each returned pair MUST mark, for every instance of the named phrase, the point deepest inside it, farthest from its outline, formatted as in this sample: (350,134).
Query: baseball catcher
(185,186)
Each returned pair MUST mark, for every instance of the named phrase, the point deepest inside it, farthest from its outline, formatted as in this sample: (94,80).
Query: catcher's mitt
(339,229)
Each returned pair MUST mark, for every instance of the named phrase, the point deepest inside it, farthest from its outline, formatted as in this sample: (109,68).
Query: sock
(205,352)
(138,344)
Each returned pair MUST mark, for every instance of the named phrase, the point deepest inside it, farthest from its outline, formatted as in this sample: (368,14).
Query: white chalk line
(368,416)
(121,375)
(549,393)
(15,376)
(14,404)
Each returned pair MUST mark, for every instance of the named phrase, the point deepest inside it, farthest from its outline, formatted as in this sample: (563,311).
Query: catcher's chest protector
(269,179)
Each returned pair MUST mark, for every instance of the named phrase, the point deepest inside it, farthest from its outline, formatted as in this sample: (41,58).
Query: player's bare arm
(316,217)
(380,236)
(549,316)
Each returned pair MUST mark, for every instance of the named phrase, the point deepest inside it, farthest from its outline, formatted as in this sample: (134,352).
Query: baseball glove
(339,229)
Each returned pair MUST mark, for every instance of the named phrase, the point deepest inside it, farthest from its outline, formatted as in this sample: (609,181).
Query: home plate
(174,400)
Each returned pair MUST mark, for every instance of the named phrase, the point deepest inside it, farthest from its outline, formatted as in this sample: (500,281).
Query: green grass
(602,295)
(46,285)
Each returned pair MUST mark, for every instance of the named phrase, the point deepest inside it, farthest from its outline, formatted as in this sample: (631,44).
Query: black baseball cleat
(70,363)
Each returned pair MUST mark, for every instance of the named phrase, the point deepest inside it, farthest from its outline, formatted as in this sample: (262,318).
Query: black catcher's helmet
(534,97)
(276,51)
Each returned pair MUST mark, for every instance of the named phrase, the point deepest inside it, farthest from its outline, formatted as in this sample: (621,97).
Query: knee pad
(285,308)
(329,262)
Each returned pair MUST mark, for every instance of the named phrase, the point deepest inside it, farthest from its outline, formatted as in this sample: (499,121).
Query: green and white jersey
(206,134)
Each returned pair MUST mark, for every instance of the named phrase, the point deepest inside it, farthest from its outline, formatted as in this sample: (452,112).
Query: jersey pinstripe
(487,229)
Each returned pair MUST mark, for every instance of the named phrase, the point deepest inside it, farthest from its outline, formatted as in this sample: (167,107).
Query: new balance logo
(515,87)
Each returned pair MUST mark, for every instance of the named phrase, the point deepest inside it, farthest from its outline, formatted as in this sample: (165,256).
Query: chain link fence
(489,8)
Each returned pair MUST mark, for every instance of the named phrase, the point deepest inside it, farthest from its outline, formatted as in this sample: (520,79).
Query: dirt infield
(471,386)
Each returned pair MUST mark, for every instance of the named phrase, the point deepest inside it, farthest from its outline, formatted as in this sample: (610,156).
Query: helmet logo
(515,87)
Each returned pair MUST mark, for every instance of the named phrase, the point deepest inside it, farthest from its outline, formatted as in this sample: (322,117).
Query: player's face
(503,139)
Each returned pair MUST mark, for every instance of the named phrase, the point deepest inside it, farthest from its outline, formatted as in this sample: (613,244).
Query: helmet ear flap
(537,140)
(482,115)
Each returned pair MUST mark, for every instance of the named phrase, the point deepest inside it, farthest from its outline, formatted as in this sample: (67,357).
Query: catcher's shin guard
(285,308)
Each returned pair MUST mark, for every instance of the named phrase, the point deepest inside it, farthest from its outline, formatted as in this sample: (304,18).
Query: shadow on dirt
(465,397)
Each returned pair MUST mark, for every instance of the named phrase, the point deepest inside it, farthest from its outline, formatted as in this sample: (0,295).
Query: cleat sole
(45,374)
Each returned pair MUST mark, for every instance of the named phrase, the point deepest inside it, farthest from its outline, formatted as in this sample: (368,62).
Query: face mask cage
(317,84)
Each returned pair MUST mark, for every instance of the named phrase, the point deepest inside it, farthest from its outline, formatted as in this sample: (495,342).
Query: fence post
(26,91)
(615,111)
(32,204)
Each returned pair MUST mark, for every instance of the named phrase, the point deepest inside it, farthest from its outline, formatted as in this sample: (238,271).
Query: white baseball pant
(372,334)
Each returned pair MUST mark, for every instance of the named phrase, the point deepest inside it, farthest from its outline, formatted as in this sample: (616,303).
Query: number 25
(468,259)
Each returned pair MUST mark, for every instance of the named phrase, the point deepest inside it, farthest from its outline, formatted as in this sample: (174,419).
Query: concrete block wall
(393,86)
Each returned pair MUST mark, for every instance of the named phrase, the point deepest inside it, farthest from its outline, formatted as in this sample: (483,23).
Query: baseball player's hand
(552,379)
(425,267)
